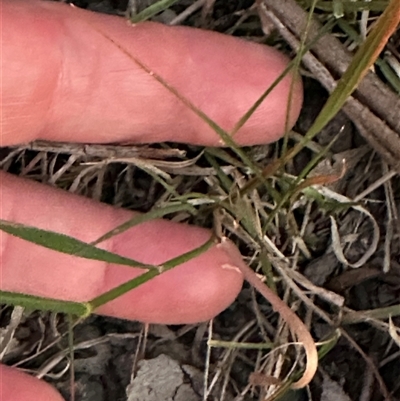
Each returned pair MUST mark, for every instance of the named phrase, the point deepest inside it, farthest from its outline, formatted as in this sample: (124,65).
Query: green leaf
(141,218)
(34,302)
(65,244)
(152,10)
(136,282)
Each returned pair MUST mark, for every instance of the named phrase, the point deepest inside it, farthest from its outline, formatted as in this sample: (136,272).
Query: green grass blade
(84,309)
(389,74)
(258,102)
(40,303)
(71,353)
(136,282)
(142,218)
(226,182)
(364,58)
(239,345)
(294,185)
(66,244)
(293,64)
(223,155)
(329,344)
(122,289)
(152,10)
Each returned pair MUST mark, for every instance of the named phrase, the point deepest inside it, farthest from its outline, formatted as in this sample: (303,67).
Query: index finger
(63,80)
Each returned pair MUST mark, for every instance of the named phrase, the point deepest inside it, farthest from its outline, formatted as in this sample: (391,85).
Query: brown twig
(102,151)
(373,107)
(372,92)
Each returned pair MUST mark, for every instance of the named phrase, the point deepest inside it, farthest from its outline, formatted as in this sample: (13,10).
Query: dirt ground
(120,360)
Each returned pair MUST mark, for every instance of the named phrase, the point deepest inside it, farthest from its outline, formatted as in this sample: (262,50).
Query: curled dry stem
(292,320)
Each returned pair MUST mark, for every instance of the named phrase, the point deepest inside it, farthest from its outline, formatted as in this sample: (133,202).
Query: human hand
(63,81)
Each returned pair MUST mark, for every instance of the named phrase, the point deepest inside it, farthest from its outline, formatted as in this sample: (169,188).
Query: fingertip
(194,291)
(241,72)
(18,386)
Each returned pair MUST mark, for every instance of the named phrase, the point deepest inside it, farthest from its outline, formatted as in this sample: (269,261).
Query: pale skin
(63,81)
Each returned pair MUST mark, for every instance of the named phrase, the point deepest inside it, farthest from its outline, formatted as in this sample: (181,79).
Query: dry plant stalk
(293,322)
